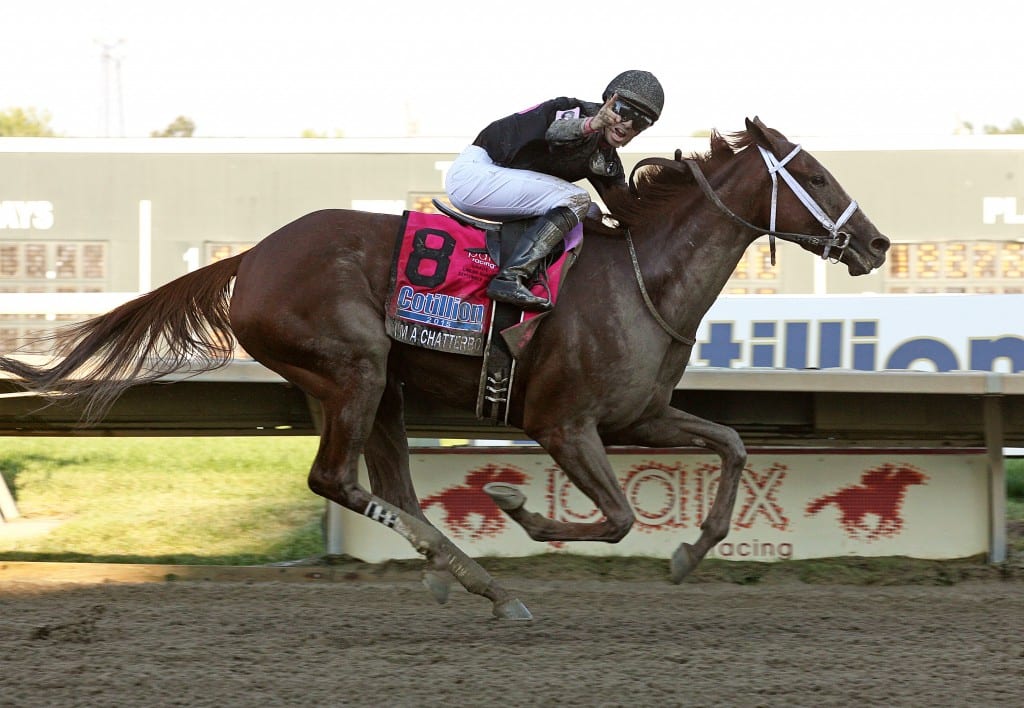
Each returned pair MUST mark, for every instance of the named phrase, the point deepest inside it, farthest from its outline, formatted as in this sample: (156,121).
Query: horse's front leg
(676,428)
(580,453)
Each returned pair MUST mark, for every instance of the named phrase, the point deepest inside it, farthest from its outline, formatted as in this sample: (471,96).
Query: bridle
(836,239)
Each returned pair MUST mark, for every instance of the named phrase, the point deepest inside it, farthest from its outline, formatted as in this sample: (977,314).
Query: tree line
(31,123)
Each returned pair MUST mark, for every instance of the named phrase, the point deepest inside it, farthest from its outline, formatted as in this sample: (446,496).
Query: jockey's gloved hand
(606,116)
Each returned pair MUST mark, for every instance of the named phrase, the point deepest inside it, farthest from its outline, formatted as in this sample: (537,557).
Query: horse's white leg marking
(428,541)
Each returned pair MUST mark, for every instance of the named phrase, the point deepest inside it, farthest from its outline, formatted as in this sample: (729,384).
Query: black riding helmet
(639,88)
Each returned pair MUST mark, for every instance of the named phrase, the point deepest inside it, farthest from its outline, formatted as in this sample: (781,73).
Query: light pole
(113,106)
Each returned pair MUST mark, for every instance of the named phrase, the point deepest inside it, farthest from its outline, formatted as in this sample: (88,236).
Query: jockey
(524,165)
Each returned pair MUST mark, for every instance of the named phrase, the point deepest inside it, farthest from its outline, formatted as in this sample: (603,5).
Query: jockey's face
(631,121)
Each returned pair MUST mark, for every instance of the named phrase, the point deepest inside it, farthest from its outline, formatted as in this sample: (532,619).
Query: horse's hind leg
(334,476)
(350,395)
(387,453)
(338,355)
(387,463)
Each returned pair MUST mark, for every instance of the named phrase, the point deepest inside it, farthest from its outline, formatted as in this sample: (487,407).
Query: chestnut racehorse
(308,302)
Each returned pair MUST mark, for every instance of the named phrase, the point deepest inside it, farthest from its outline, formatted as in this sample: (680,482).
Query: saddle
(501,236)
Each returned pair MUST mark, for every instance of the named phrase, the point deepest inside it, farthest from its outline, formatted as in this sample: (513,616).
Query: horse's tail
(181,325)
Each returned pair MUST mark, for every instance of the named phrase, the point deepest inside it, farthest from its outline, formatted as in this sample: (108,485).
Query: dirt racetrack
(641,642)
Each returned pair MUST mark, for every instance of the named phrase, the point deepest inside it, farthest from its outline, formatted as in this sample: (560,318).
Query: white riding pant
(485,190)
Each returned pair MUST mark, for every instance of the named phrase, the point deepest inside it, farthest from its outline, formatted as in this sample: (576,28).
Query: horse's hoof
(684,560)
(507,497)
(438,583)
(511,609)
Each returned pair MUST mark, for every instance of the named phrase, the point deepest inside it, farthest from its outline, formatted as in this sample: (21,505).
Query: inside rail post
(8,507)
(993,421)
(334,539)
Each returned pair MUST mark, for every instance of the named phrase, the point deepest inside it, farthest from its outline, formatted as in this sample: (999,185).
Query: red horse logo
(879,494)
(468,511)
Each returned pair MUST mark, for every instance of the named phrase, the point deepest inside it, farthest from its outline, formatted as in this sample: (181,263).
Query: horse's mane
(657,187)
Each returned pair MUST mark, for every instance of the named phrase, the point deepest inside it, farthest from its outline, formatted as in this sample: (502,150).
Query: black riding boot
(535,244)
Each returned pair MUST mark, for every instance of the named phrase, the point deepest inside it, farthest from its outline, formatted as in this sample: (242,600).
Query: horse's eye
(818,181)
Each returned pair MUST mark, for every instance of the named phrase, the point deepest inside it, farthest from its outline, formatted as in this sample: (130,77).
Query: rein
(688,341)
(837,239)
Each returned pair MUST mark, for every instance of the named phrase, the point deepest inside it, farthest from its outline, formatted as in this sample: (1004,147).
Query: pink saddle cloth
(439,276)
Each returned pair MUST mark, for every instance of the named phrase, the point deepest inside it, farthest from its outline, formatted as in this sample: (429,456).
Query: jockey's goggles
(628,112)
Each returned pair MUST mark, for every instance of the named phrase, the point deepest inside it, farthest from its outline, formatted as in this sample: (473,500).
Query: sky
(389,68)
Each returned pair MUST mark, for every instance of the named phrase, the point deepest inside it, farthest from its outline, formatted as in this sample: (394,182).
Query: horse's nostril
(880,244)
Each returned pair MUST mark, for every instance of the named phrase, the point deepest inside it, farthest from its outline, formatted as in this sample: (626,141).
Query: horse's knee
(734,448)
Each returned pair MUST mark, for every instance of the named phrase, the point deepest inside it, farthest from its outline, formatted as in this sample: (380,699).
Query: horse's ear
(757,130)
(762,134)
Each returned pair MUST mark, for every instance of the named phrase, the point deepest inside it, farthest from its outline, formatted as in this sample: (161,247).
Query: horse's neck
(687,260)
